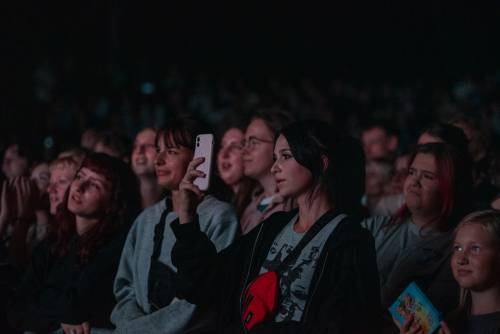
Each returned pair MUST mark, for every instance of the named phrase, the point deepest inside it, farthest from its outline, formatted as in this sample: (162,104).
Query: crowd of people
(304,229)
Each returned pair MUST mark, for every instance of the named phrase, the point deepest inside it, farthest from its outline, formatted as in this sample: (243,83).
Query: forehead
(427,138)
(62,171)
(425,161)
(374,133)
(474,233)
(233,134)
(89,173)
(41,168)
(146,136)
(281,144)
(259,128)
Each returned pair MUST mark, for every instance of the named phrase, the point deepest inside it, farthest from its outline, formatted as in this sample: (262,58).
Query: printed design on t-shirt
(295,280)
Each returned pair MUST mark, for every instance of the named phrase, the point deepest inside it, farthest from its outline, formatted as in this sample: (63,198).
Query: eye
(457,248)
(411,171)
(287,156)
(429,177)
(475,248)
(171,152)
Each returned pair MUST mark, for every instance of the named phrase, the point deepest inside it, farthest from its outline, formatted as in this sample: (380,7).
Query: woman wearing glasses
(257,162)
(230,164)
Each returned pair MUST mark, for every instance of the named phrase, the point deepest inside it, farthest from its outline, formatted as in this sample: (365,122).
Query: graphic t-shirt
(296,279)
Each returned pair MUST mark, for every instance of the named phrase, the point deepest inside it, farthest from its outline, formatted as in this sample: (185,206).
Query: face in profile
(14,164)
(230,156)
(171,164)
(144,153)
(476,258)
(60,180)
(258,151)
(292,179)
(89,194)
(41,175)
(421,187)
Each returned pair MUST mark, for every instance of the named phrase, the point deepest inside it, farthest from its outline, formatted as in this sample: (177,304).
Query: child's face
(476,260)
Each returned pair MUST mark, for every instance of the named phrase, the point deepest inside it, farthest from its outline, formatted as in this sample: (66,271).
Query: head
(476,132)
(476,253)
(41,175)
(380,141)
(444,133)
(311,159)
(175,149)
(230,156)
(62,173)
(89,139)
(16,160)
(144,153)
(76,153)
(104,189)
(260,136)
(378,176)
(438,184)
(114,145)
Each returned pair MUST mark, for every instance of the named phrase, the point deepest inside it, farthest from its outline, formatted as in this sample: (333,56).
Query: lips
(463,272)
(162,172)
(76,199)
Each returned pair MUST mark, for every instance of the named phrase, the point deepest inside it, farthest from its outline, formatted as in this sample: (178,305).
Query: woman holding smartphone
(331,285)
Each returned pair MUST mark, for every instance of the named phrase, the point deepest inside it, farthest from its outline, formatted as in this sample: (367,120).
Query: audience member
(146,282)
(331,286)
(142,161)
(69,282)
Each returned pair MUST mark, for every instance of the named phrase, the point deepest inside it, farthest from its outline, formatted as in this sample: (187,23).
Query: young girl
(331,286)
(69,282)
(476,267)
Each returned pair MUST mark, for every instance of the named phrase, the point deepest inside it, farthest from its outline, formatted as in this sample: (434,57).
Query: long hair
(124,205)
(343,178)
(489,221)
(454,177)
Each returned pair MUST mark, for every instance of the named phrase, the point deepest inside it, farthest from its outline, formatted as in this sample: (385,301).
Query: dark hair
(455,182)
(275,119)
(180,131)
(380,123)
(450,134)
(343,179)
(124,206)
(116,142)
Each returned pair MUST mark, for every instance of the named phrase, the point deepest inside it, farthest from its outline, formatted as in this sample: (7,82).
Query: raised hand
(409,326)
(190,194)
(83,328)
(26,194)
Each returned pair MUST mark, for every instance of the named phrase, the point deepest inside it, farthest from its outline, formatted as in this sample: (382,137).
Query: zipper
(243,292)
(315,288)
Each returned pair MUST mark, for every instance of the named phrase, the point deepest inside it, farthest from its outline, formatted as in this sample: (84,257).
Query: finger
(444,328)
(86,328)
(196,162)
(191,187)
(407,324)
(194,174)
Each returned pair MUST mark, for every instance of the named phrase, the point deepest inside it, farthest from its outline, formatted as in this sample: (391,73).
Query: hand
(444,328)
(83,328)
(5,211)
(190,194)
(26,194)
(409,326)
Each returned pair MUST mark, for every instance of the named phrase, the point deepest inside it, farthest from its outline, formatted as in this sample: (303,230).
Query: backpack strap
(310,234)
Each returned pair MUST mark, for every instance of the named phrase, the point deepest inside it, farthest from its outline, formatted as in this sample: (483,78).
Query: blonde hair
(489,221)
(66,162)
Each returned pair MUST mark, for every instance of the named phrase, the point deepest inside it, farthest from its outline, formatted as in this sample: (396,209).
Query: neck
(235,187)
(151,191)
(268,184)
(311,210)
(84,224)
(427,220)
(487,301)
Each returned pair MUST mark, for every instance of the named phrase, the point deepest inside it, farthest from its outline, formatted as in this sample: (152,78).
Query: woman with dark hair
(69,282)
(330,282)
(414,244)
(146,281)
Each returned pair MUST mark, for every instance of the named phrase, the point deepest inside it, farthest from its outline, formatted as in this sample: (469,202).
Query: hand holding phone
(204,148)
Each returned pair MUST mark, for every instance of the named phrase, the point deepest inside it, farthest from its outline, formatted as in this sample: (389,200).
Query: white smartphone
(204,148)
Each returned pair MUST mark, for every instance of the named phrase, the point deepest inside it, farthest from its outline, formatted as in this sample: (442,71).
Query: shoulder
(376,223)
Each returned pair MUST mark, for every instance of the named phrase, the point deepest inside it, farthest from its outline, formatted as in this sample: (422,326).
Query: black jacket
(344,294)
(60,290)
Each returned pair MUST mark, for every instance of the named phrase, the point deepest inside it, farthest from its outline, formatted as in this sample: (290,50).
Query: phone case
(204,148)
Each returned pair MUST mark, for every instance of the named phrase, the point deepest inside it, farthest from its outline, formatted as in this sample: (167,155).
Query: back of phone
(204,148)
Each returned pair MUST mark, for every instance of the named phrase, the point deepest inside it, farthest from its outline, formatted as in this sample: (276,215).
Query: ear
(325,162)
(393,143)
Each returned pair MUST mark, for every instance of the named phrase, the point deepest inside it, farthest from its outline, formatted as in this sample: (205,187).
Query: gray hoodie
(132,313)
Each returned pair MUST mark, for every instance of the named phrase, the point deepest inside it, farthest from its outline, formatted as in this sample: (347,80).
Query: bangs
(174,138)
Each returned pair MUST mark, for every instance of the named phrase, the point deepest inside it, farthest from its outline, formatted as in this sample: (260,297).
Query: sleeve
(126,307)
(222,227)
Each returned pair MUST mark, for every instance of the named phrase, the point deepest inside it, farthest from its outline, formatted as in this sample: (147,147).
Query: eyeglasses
(253,142)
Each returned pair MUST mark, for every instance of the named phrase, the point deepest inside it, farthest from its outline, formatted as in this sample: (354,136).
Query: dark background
(106,47)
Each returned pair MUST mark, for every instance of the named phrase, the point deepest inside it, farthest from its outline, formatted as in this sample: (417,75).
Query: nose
(461,258)
(159,159)
(275,167)
(51,188)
